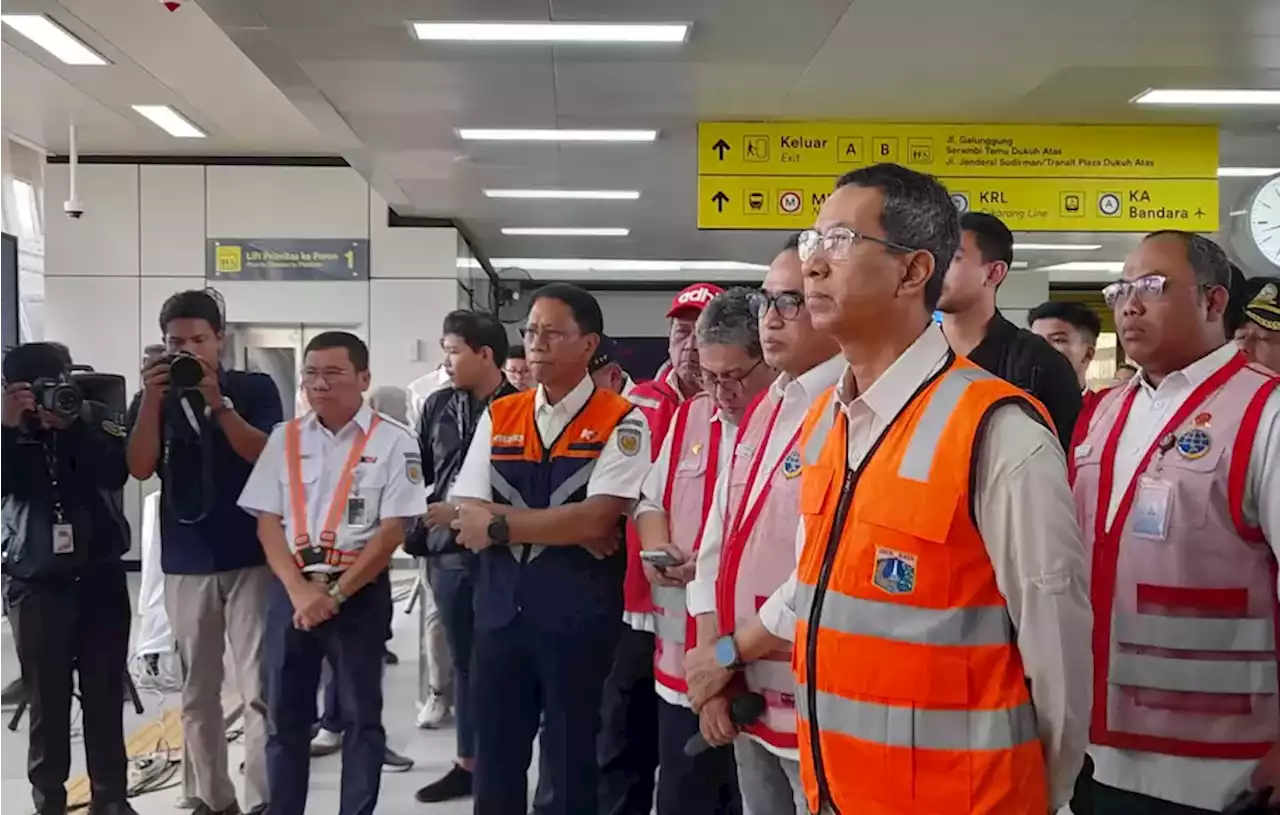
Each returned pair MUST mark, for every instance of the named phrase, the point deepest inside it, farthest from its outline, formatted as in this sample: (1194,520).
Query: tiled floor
(432,750)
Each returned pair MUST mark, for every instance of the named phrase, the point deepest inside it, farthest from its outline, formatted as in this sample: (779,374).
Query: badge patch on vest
(1194,444)
(791,464)
(512,440)
(628,440)
(587,435)
(895,571)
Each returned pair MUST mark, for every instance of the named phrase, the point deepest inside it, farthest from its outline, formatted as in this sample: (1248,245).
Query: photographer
(64,534)
(201,428)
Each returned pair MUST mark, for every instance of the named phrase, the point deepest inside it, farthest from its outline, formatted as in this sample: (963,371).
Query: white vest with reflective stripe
(691,476)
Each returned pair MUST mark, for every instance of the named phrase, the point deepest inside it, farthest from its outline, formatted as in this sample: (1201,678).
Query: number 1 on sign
(351,258)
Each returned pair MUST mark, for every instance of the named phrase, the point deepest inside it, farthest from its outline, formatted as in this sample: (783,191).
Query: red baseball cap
(693,298)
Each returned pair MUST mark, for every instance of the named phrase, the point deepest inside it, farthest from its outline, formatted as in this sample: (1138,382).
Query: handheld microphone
(743,710)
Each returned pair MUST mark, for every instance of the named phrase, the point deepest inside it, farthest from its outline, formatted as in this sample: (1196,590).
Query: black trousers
(629,728)
(522,673)
(78,625)
(1111,801)
(706,784)
(453,582)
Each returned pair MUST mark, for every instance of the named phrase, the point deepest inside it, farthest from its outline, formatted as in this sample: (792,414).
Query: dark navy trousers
(353,645)
(521,673)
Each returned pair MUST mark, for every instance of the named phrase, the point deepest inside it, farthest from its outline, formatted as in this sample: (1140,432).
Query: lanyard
(49,448)
(297,493)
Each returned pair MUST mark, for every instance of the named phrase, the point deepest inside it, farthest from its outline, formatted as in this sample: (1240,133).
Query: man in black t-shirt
(202,441)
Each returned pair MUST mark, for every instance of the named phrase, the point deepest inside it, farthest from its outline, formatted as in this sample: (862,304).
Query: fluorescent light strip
(519,134)
(170,121)
(567,195)
(1247,172)
(53,38)
(568,231)
(1019,264)
(1056,247)
(615,265)
(1087,266)
(1222,96)
(551,32)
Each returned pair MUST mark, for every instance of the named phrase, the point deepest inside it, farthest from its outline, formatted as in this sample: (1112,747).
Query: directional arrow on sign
(720,147)
(721,199)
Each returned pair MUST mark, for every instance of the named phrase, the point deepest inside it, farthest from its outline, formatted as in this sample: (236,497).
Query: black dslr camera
(58,395)
(185,370)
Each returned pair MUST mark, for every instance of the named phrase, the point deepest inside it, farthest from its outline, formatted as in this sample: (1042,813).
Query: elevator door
(277,351)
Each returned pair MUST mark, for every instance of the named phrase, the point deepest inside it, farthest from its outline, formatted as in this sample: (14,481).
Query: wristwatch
(218,410)
(336,593)
(499,533)
(727,653)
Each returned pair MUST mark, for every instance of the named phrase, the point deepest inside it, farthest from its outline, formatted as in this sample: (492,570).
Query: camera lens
(185,371)
(63,400)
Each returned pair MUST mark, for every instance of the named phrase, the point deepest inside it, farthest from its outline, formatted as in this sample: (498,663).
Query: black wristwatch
(498,531)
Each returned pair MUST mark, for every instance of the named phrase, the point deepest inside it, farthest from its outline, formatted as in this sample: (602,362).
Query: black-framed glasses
(838,241)
(730,384)
(786,303)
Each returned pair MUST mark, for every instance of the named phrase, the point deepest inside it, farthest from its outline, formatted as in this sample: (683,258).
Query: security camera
(73,208)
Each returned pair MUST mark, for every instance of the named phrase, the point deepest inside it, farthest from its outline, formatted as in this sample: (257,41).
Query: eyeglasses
(549,335)
(311,376)
(838,241)
(786,303)
(730,384)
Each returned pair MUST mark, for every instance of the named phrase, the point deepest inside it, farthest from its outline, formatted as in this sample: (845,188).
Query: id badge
(64,540)
(356,512)
(1151,509)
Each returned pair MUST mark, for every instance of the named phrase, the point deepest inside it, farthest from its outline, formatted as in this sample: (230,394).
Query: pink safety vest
(758,555)
(1185,627)
(691,479)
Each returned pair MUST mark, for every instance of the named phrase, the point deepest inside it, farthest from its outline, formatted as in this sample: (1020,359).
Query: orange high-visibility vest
(911,693)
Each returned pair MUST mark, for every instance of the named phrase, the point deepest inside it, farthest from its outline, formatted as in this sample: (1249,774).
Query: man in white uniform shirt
(760,552)
(332,492)
(676,500)
(1177,482)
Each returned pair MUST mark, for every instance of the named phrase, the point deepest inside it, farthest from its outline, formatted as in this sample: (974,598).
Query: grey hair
(392,401)
(729,320)
(1206,258)
(918,213)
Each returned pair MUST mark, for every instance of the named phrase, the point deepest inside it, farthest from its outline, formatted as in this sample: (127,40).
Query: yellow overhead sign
(1027,204)
(830,149)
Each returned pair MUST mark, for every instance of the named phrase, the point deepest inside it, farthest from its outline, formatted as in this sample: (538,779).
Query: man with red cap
(628,718)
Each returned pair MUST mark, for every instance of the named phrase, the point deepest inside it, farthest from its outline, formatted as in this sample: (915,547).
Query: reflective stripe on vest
(305,552)
(973,626)
(917,461)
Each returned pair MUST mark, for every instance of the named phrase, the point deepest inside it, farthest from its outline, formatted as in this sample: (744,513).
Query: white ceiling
(346,76)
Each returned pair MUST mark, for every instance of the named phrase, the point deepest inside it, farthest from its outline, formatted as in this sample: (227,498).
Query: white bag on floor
(155,662)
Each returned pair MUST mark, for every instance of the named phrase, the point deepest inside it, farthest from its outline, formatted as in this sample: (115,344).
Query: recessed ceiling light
(567,195)
(1247,172)
(1087,266)
(551,32)
(1222,96)
(1056,247)
(531,134)
(569,231)
(170,121)
(53,38)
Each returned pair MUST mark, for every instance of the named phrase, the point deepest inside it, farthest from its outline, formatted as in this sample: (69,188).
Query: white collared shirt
(1027,519)
(617,473)
(388,479)
(1194,782)
(797,395)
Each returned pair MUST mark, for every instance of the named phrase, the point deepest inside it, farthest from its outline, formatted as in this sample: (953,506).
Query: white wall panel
(334,303)
(97,318)
(404,323)
(172,207)
(286,202)
(105,240)
(1022,291)
(409,251)
(635,313)
(153,292)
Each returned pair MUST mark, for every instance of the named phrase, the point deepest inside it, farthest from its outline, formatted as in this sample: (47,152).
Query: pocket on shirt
(370,486)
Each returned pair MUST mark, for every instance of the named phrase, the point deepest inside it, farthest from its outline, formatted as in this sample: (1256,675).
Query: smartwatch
(499,533)
(727,653)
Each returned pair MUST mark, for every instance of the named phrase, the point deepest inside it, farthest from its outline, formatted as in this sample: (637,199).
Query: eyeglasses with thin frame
(838,241)
(1147,288)
(730,384)
(786,303)
(531,334)
(312,376)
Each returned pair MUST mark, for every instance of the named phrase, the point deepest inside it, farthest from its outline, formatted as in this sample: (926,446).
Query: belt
(323,555)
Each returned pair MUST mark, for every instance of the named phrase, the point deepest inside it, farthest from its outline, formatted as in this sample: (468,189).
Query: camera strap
(340,504)
(49,446)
